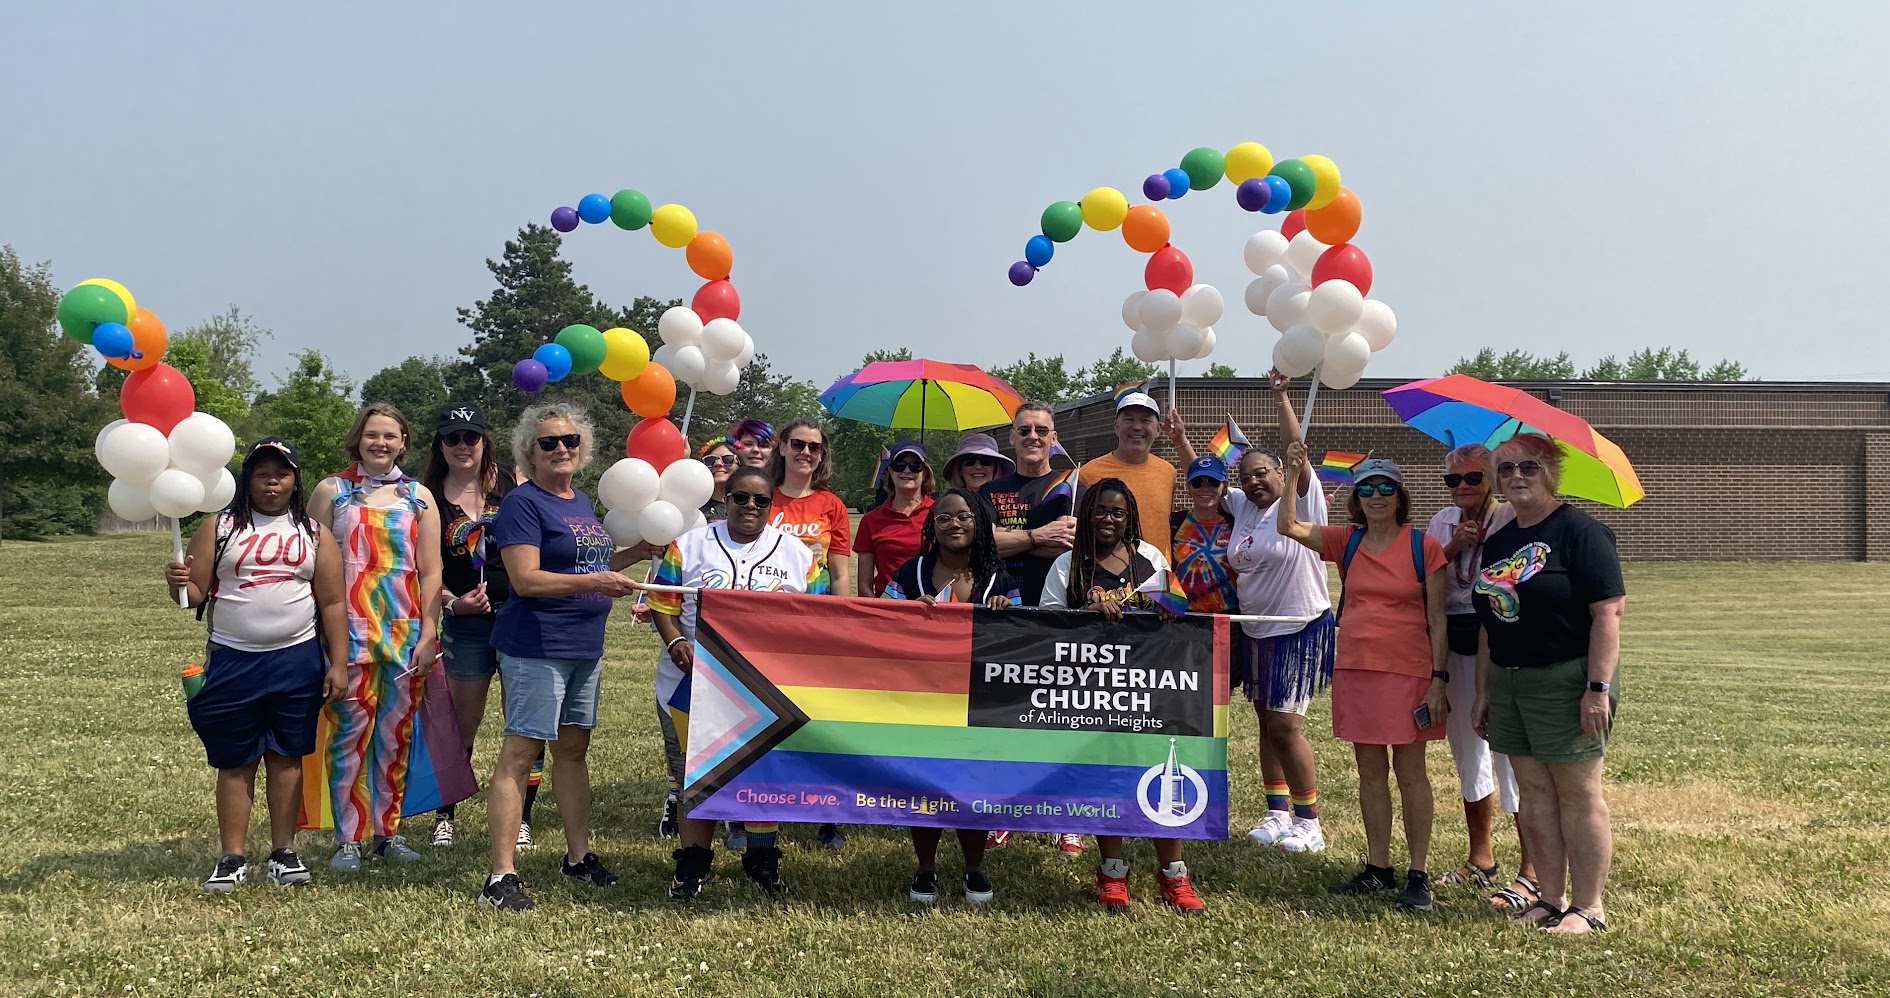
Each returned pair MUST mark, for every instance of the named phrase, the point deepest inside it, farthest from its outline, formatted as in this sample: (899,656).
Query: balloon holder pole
(1171,384)
(177,555)
(1305,418)
(689,410)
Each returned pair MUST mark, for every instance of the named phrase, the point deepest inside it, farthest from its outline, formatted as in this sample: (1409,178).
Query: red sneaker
(1070,845)
(1113,892)
(996,840)
(1178,893)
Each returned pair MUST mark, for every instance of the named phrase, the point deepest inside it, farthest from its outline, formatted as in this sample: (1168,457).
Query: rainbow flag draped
(1034,720)
(1336,468)
(438,772)
(1229,443)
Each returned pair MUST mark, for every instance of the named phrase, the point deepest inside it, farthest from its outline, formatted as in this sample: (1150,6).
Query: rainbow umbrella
(1458,410)
(922,394)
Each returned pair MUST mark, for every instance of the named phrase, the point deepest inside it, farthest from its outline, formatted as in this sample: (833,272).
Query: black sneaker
(588,870)
(232,872)
(1371,880)
(1416,895)
(286,869)
(829,836)
(506,894)
(668,827)
(978,888)
(692,871)
(763,866)
(924,887)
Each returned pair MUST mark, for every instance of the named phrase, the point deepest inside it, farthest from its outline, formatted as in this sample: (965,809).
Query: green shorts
(1538,712)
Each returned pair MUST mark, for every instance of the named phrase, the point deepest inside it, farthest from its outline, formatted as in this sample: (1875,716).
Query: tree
(1111,372)
(417,386)
(1041,379)
(192,358)
(312,410)
(1608,369)
(1726,370)
(1219,370)
(50,482)
(1516,365)
(230,342)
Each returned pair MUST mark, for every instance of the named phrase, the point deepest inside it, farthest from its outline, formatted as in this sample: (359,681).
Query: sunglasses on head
(1027,430)
(1530,469)
(1467,478)
(571,441)
(806,446)
(458,437)
(756,500)
(1365,489)
(910,466)
(725,460)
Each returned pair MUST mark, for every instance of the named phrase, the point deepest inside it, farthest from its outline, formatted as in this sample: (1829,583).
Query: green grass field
(1750,782)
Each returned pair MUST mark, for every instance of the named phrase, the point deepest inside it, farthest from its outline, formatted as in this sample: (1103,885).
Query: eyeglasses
(571,441)
(1027,430)
(1367,489)
(756,500)
(908,467)
(1105,513)
(1467,478)
(458,437)
(980,460)
(725,460)
(1530,469)
(967,518)
(1259,476)
(1203,483)
(807,446)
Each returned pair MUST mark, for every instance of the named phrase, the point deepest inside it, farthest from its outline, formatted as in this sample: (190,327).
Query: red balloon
(1169,268)
(657,441)
(160,396)
(1293,224)
(717,300)
(1344,263)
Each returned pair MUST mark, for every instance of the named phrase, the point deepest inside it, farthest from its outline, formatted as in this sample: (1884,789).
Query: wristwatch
(1597,686)
(1440,674)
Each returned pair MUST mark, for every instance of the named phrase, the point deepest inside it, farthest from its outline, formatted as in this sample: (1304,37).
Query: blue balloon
(557,361)
(1279,193)
(1177,182)
(594,208)
(112,340)
(1039,250)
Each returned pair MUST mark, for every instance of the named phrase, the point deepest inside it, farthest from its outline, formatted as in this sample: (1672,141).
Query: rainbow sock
(1276,796)
(761,834)
(1306,804)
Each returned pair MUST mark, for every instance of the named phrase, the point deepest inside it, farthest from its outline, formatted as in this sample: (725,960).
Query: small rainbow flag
(471,535)
(1336,468)
(1229,443)
(879,471)
(1164,590)
(1121,390)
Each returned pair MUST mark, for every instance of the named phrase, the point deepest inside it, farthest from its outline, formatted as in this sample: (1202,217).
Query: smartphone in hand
(1422,715)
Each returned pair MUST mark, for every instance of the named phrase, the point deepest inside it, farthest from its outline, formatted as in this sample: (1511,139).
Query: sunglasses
(1530,469)
(979,459)
(1032,431)
(1467,478)
(1203,483)
(459,437)
(909,467)
(807,446)
(571,441)
(1381,488)
(756,500)
(1105,513)
(725,460)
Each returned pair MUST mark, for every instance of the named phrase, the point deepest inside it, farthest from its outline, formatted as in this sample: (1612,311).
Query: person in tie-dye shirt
(1201,535)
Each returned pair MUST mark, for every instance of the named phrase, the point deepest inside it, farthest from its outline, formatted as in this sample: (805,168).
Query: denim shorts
(545,694)
(466,646)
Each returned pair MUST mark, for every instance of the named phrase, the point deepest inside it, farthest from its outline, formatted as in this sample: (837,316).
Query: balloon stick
(1305,418)
(177,555)
(1171,384)
(689,410)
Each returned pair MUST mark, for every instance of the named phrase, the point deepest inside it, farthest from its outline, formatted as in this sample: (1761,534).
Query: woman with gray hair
(1550,598)
(550,640)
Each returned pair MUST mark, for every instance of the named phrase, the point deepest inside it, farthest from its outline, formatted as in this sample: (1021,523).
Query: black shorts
(258,701)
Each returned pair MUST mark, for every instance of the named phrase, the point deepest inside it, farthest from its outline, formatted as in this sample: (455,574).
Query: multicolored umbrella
(922,394)
(1458,410)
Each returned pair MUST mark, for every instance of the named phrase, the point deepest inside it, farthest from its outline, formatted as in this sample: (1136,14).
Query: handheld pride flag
(1164,590)
(1336,468)
(1229,443)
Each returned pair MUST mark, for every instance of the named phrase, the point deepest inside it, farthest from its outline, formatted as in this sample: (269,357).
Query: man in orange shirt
(1151,479)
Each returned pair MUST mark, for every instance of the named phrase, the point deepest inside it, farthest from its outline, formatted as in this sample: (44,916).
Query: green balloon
(86,306)
(1063,220)
(1204,167)
(1300,178)
(630,210)
(586,345)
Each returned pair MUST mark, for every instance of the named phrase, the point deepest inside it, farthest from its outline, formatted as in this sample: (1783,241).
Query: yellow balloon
(123,293)
(1247,161)
(1104,208)
(673,225)
(1325,181)
(625,354)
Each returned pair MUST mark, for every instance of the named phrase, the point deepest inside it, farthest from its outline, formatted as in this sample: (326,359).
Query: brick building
(1732,471)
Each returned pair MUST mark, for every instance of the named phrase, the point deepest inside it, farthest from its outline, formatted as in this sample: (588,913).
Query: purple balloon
(1252,194)
(1155,188)
(1022,272)
(564,220)
(529,375)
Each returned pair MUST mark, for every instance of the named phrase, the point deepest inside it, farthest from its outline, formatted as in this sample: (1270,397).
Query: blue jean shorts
(466,646)
(545,694)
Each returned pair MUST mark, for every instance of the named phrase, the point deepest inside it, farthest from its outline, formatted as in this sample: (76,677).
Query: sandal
(1555,914)
(1482,878)
(1595,924)
(1513,900)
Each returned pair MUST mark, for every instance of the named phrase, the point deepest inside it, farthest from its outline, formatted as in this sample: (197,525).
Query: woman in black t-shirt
(1550,597)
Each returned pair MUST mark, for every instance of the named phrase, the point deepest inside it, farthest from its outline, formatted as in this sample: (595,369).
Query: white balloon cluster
(1331,327)
(706,355)
(172,476)
(646,507)
(1171,326)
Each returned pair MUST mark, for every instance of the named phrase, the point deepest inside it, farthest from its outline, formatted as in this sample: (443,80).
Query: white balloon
(747,355)
(666,356)
(687,365)
(680,326)
(1300,350)
(201,443)
(1202,306)
(686,484)
(1160,310)
(130,500)
(1376,323)
(1132,310)
(135,452)
(1207,344)
(1303,252)
(1334,307)
(176,493)
(629,484)
(1345,359)
(1146,346)
(696,522)
(1286,306)
(218,489)
(1185,341)
(1279,362)
(661,522)
(624,529)
(1264,249)
(722,379)
(722,340)
(1257,291)
(99,440)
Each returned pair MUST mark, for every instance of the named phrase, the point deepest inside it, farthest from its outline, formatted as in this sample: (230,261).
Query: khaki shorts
(1537,712)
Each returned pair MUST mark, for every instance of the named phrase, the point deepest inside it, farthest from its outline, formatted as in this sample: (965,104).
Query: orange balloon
(650,394)
(1145,228)
(1337,222)
(709,256)
(148,342)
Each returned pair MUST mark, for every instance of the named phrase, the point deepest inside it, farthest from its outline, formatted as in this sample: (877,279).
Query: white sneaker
(1304,836)
(347,858)
(525,840)
(443,833)
(285,869)
(394,847)
(232,872)
(1271,828)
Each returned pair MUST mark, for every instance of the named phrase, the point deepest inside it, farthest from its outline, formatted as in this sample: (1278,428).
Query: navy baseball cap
(276,444)
(1207,467)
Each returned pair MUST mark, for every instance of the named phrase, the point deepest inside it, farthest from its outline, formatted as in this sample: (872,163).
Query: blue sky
(1593,178)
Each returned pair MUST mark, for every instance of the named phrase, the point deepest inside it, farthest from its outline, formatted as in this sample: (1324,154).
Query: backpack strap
(1351,548)
(226,525)
(1417,563)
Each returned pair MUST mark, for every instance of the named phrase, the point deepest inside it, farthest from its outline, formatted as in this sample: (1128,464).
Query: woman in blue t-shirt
(550,639)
